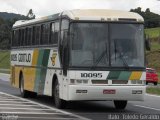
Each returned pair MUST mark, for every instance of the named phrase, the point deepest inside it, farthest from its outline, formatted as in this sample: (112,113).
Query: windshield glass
(90,44)
(127,45)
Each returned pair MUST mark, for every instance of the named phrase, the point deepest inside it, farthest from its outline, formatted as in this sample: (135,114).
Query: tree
(151,19)
(147,10)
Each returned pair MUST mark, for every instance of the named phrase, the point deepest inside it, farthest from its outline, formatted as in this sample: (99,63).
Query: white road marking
(26,112)
(147,107)
(16,102)
(17,105)
(41,105)
(49,118)
(34,109)
(153,95)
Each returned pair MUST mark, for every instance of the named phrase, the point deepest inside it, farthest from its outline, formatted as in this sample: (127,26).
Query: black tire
(25,93)
(120,104)
(155,83)
(146,83)
(59,103)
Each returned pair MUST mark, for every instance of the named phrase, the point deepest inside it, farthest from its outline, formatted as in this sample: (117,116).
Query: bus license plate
(109,91)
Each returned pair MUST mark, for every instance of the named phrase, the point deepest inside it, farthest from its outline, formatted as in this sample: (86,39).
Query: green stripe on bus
(114,75)
(43,71)
(38,70)
(124,75)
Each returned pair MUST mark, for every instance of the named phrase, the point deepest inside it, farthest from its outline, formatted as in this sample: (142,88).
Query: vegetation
(153,33)
(6,22)
(4,59)
(153,90)
(152,20)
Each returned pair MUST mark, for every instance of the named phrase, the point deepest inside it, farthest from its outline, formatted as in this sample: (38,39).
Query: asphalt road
(97,110)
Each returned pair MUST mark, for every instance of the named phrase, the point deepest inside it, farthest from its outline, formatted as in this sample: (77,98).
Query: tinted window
(37,35)
(45,31)
(29,36)
(15,40)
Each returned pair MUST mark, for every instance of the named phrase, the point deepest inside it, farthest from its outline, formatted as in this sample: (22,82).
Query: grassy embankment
(153,56)
(153,90)
(4,61)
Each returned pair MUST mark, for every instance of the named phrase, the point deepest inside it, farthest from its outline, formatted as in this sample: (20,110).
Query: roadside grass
(4,71)
(153,90)
(155,46)
(4,59)
(153,32)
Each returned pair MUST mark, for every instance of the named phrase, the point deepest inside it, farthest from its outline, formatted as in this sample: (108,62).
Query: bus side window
(15,41)
(29,36)
(20,37)
(33,36)
(64,27)
(25,37)
(42,34)
(45,30)
(56,32)
(37,35)
(52,40)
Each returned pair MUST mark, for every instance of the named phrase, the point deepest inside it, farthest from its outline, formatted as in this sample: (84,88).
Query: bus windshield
(106,45)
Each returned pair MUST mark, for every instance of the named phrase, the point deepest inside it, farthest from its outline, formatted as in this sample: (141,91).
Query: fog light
(139,81)
(133,81)
(79,81)
(72,81)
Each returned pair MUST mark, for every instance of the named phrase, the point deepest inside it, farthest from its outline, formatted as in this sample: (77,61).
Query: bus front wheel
(59,103)
(120,104)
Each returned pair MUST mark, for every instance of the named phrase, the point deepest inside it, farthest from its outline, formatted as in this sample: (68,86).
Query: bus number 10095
(92,75)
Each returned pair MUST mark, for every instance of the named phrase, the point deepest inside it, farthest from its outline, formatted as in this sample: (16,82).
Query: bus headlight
(140,82)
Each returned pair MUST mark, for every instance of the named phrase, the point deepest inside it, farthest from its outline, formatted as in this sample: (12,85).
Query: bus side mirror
(65,57)
(147,43)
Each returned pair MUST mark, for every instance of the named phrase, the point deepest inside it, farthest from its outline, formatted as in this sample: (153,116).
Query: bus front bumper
(132,93)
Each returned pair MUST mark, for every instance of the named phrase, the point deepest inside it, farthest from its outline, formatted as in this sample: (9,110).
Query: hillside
(9,16)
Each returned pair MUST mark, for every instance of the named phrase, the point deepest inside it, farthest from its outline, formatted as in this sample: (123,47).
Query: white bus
(80,55)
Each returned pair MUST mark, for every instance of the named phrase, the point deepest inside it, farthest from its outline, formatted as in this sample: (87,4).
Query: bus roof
(87,14)
(101,14)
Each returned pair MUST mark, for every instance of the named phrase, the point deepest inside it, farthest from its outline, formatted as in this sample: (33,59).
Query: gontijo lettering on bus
(21,57)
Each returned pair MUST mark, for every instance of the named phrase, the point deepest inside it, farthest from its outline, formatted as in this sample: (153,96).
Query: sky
(48,7)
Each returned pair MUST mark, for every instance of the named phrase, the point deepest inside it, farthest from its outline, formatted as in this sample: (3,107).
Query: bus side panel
(29,78)
(54,69)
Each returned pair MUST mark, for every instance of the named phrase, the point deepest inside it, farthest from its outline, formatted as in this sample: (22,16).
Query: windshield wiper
(121,55)
(100,57)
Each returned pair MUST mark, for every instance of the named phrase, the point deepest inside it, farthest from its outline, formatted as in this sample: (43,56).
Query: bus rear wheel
(120,104)
(25,93)
(59,103)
